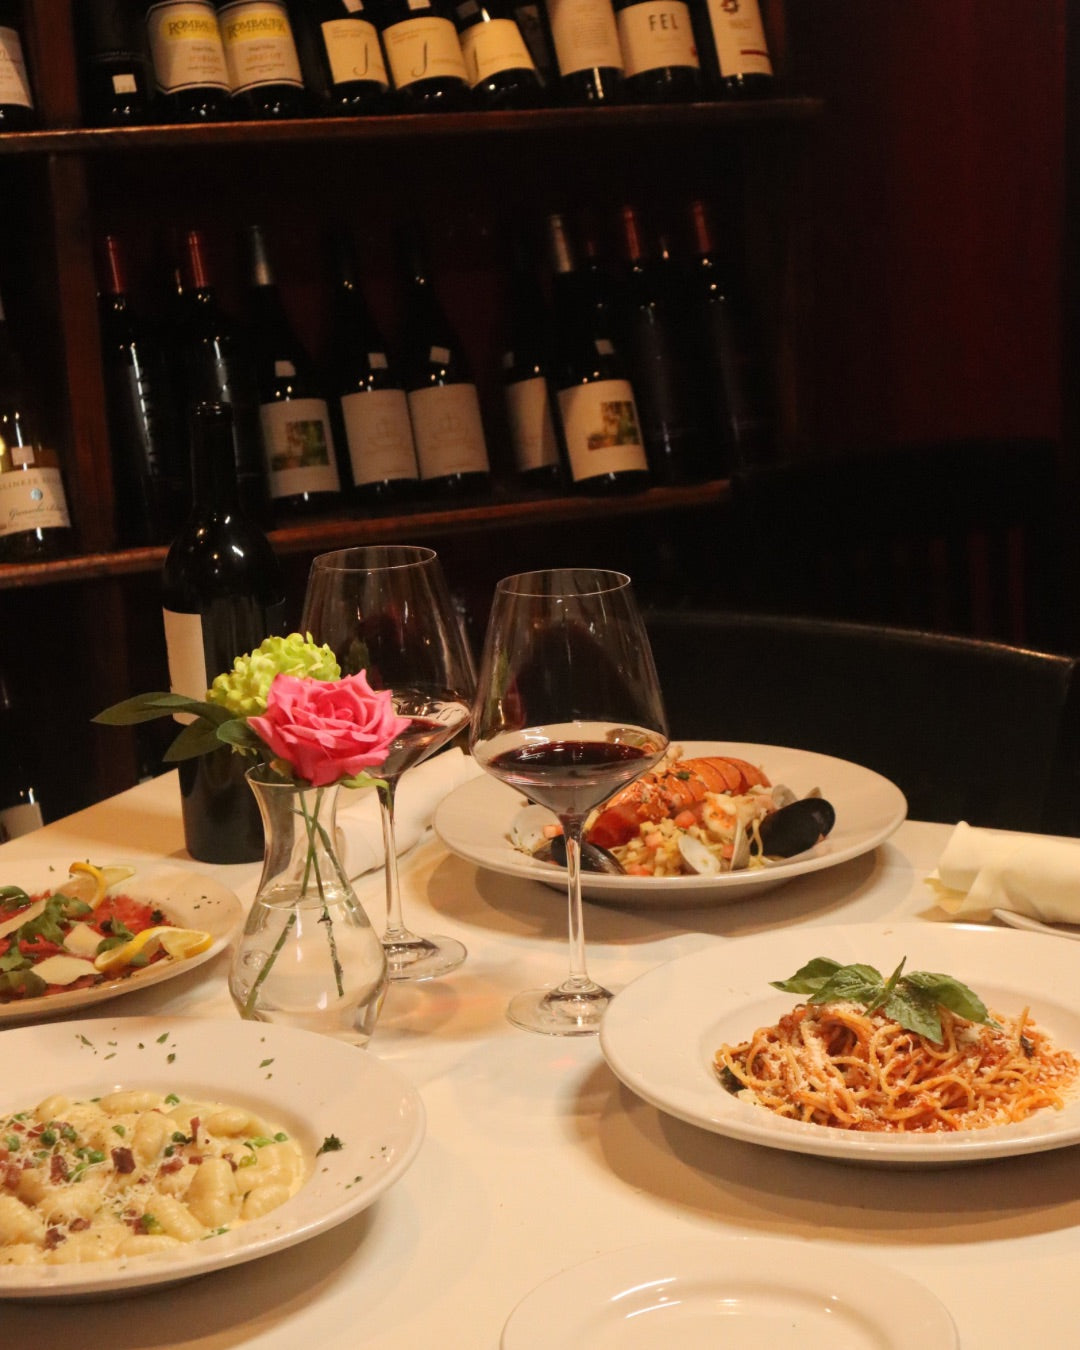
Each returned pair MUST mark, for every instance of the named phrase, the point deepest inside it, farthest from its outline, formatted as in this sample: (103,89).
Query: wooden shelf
(341,531)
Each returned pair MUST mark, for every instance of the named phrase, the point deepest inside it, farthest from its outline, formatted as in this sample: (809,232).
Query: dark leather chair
(969,730)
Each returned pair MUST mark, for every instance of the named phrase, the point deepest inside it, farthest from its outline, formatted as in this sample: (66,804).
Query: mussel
(796,827)
(593,857)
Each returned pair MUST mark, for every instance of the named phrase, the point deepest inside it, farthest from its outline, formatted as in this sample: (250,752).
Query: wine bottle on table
(298,440)
(528,369)
(118,85)
(371,393)
(424,57)
(443,401)
(659,50)
(265,79)
(149,470)
(586,41)
(188,58)
(342,56)
(215,365)
(17,108)
(605,450)
(734,49)
(34,520)
(20,806)
(222,594)
(501,69)
(661,356)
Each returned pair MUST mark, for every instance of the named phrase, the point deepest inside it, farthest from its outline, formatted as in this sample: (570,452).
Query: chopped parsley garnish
(331,1144)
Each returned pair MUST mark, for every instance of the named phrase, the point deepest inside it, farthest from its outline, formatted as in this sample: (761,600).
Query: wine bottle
(265,79)
(734,49)
(190,73)
(733,368)
(423,54)
(501,70)
(341,55)
(215,364)
(586,41)
(117,77)
(17,109)
(222,594)
(601,427)
(297,437)
(34,521)
(659,50)
(371,394)
(443,402)
(531,19)
(20,806)
(151,484)
(527,367)
(661,358)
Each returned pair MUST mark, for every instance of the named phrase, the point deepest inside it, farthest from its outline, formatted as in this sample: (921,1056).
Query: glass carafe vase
(308,957)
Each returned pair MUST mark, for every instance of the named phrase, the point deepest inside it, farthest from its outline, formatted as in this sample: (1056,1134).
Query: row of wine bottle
(147,61)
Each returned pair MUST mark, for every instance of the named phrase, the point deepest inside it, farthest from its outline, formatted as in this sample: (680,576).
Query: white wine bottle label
(585,35)
(353,51)
(491,47)
(185,44)
(655,34)
(423,49)
(186,654)
(379,436)
(448,431)
(14,84)
(299,447)
(21,819)
(532,427)
(741,48)
(602,429)
(259,45)
(32,499)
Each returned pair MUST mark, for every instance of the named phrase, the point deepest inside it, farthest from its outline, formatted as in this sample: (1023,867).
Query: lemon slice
(98,879)
(179,943)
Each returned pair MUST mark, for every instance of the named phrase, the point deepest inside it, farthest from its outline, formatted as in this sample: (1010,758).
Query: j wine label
(424,55)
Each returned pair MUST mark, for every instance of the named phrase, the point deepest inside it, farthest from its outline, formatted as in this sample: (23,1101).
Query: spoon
(1022,921)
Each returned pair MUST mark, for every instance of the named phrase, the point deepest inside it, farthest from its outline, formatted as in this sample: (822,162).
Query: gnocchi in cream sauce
(135,1172)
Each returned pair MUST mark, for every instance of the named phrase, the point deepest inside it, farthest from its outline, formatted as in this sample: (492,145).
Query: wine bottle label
(448,431)
(14,83)
(379,436)
(491,47)
(185,44)
(353,51)
(32,499)
(532,427)
(423,49)
(741,48)
(602,429)
(299,447)
(124,84)
(259,45)
(21,819)
(655,34)
(186,655)
(585,35)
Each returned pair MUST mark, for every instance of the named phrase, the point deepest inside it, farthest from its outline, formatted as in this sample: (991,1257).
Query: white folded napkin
(983,870)
(360,838)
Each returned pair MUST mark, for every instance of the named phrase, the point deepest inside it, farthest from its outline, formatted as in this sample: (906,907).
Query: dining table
(536,1157)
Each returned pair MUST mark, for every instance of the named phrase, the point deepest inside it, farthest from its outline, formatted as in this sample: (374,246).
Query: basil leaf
(851,984)
(915,1009)
(809,978)
(885,991)
(957,997)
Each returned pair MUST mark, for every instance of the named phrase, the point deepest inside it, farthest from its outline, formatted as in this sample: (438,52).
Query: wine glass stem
(578,979)
(395,924)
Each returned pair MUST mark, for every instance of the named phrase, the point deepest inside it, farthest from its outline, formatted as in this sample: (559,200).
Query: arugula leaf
(13,959)
(21,982)
(13,897)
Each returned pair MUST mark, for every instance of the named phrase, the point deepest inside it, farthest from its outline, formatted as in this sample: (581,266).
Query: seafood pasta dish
(133,1173)
(916,1053)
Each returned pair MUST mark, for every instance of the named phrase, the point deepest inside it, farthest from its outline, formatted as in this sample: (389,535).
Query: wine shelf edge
(341,531)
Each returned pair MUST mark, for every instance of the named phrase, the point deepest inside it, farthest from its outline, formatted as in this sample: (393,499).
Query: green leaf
(145,707)
(13,897)
(13,959)
(851,984)
(810,978)
(238,734)
(22,982)
(957,997)
(915,1010)
(197,738)
(885,989)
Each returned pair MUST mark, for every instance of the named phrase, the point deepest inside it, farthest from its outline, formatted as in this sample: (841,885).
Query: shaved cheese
(30,912)
(82,940)
(64,969)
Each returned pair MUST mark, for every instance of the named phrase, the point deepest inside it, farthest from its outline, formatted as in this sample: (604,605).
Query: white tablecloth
(537,1158)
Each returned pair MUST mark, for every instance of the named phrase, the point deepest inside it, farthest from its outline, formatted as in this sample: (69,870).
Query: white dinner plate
(313,1086)
(660,1033)
(739,1293)
(188,899)
(474,821)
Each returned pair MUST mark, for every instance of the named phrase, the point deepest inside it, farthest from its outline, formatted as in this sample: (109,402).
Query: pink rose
(326,730)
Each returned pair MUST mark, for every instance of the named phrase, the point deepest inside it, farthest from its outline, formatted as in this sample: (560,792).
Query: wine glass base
(417,958)
(560,1012)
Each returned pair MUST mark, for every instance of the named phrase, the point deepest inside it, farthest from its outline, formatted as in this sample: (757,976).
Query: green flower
(243,690)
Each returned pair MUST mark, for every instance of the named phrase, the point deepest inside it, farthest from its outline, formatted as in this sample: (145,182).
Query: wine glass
(568,710)
(386,609)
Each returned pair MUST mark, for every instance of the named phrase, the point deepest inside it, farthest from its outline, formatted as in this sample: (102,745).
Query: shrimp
(664,792)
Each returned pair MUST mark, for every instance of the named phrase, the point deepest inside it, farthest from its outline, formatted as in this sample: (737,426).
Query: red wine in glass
(569,777)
